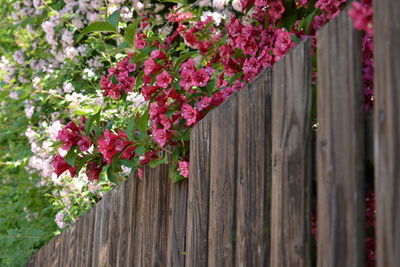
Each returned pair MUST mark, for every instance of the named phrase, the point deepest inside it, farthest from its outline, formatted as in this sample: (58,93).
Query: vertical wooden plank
(88,230)
(340,146)
(104,240)
(387,130)
(291,158)
(155,216)
(114,225)
(254,172)
(96,235)
(198,194)
(177,224)
(79,245)
(55,257)
(124,214)
(135,243)
(223,169)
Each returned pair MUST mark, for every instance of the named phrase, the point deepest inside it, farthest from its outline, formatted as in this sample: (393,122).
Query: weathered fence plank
(340,145)
(155,214)
(254,172)
(387,130)
(177,224)
(198,194)
(291,158)
(223,170)
(136,232)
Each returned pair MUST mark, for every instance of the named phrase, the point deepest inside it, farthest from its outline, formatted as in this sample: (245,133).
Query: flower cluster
(361,13)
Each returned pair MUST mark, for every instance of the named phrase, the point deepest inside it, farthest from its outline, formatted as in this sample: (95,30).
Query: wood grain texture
(340,145)
(291,157)
(155,217)
(223,171)
(254,172)
(198,195)
(387,130)
(177,224)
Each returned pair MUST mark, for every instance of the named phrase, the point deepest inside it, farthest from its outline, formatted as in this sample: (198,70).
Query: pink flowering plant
(206,55)
(92,91)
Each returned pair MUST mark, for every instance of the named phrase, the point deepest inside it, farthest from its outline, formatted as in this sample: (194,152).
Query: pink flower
(189,66)
(69,136)
(204,103)
(276,10)
(93,171)
(165,121)
(201,78)
(163,79)
(160,136)
(186,80)
(190,114)
(140,42)
(302,2)
(362,17)
(184,168)
(148,91)
(150,66)
(84,144)
(111,144)
(60,166)
(140,173)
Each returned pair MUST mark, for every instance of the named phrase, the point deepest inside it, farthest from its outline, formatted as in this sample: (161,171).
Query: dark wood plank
(135,243)
(88,230)
(177,224)
(105,235)
(254,172)
(223,170)
(340,145)
(291,158)
(387,130)
(198,194)
(114,225)
(124,214)
(155,216)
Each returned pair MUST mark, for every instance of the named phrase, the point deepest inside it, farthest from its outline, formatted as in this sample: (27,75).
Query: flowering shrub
(204,57)
(98,91)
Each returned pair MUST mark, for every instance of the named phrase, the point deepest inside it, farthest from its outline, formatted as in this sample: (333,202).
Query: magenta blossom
(190,114)
(184,168)
(163,79)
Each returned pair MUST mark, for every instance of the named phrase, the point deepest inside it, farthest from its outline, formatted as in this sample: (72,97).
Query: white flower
(54,128)
(126,170)
(68,87)
(237,5)
(219,4)
(14,95)
(60,219)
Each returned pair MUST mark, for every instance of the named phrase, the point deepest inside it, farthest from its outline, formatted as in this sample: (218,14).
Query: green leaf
(123,45)
(130,128)
(173,173)
(306,22)
(156,162)
(129,163)
(111,176)
(182,59)
(140,150)
(113,19)
(130,32)
(139,78)
(71,156)
(143,121)
(98,26)
(186,135)
(90,121)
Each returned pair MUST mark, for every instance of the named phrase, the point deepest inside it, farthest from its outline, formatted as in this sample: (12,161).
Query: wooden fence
(254,161)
